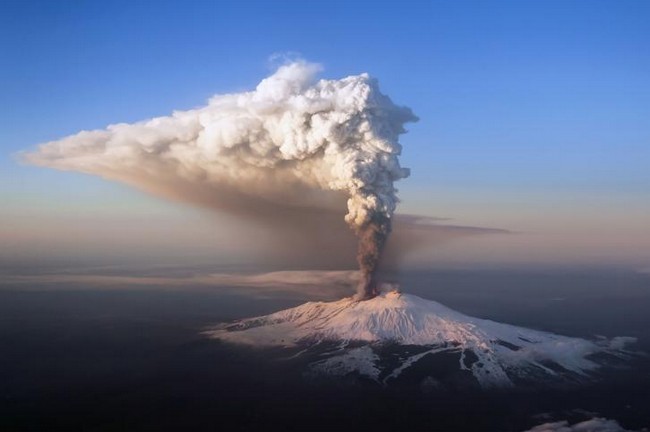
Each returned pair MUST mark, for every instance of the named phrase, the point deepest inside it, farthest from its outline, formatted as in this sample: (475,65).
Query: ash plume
(372,237)
(295,142)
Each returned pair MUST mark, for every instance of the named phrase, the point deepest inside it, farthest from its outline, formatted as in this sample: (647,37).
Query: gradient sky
(534,116)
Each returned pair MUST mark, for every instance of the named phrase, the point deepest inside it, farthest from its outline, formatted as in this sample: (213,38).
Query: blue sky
(534,115)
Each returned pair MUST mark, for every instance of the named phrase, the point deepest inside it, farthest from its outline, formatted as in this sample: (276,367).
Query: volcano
(383,337)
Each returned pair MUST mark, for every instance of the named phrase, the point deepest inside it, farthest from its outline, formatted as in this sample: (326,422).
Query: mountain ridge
(494,353)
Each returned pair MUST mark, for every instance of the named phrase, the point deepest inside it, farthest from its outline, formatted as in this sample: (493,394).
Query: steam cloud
(295,142)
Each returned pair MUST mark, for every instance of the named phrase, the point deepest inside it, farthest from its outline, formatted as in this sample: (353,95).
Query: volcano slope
(392,335)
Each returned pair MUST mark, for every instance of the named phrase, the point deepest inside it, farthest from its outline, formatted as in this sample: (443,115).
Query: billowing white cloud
(292,130)
(293,142)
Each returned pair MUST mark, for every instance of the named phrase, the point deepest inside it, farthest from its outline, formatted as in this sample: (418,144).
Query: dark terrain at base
(134,360)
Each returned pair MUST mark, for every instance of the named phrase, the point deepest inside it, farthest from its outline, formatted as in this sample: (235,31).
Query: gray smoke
(372,239)
(295,142)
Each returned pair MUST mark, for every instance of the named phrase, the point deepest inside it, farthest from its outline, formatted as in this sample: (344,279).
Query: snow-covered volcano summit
(494,353)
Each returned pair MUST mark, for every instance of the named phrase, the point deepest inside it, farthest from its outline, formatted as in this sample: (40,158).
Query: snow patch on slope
(597,424)
(361,360)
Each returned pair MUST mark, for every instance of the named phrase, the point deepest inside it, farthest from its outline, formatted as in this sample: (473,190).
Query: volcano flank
(382,337)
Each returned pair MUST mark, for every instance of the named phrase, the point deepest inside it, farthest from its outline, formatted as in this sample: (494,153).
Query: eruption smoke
(293,142)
